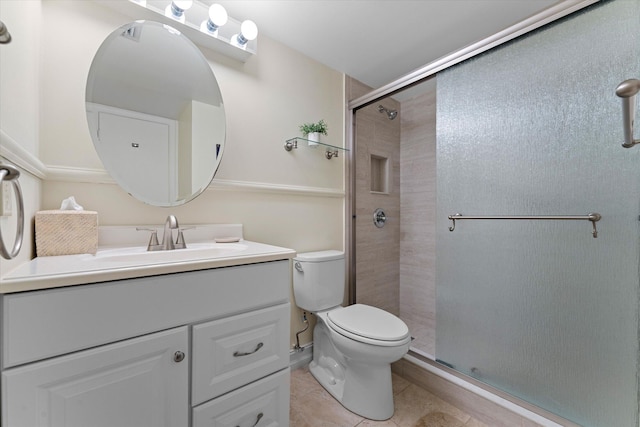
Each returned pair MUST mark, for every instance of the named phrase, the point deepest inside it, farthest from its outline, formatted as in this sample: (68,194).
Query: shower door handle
(627,90)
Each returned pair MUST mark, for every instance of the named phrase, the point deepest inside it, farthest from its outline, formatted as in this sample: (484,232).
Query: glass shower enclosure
(542,309)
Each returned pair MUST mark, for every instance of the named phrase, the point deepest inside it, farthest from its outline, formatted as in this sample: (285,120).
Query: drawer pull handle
(178,356)
(260,415)
(240,354)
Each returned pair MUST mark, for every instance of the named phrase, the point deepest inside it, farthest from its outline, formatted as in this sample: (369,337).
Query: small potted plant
(312,131)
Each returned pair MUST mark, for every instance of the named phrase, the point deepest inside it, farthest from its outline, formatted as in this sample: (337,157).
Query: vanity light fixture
(176,9)
(204,24)
(217,18)
(248,31)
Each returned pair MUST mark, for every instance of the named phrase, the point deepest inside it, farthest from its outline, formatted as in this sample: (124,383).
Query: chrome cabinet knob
(178,356)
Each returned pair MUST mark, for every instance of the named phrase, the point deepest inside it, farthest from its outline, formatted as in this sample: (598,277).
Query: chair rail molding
(11,150)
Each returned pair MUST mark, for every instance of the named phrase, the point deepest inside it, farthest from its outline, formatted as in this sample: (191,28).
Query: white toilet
(354,346)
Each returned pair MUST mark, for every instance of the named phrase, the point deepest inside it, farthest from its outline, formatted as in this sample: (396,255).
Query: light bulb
(176,9)
(182,4)
(248,31)
(218,15)
(217,18)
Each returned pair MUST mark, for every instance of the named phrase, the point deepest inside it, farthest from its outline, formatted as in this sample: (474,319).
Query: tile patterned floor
(313,406)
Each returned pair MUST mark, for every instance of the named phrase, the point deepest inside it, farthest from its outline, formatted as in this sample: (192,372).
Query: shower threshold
(496,407)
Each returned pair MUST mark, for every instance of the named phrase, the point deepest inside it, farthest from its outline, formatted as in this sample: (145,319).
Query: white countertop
(109,264)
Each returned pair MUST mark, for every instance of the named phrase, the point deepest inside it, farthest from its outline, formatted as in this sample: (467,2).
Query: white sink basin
(193,252)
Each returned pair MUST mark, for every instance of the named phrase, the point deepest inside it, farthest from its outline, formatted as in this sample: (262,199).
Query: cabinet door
(133,383)
(264,403)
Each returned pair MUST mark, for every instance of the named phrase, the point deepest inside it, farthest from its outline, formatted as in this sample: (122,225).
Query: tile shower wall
(377,249)
(418,216)
(395,265)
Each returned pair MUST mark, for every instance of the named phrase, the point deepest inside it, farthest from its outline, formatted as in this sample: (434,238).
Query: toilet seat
(369,325)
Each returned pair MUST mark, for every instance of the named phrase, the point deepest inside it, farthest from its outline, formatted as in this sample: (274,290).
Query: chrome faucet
(167,239)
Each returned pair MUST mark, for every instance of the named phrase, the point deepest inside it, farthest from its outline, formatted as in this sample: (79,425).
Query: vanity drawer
(234,351)
(264,402)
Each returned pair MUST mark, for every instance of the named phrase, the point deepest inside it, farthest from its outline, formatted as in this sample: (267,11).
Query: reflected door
(143,151)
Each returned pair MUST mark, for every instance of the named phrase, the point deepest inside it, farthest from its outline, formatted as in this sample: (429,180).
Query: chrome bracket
(330,154)
(290,144)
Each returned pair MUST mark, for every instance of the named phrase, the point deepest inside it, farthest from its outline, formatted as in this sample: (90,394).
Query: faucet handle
(180,243)
(153,240)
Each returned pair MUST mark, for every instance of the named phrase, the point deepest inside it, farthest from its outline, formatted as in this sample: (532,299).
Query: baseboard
(299,359)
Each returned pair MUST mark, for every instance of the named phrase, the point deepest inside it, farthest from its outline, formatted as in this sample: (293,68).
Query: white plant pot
(313,138)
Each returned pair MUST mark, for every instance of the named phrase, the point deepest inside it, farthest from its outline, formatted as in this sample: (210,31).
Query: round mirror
(155,113)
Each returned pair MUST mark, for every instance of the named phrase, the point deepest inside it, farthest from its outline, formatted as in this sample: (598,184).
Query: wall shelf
(331,151)
(154,10)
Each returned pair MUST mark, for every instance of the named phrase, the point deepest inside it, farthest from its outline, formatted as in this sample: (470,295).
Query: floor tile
(414,402)
(312,406)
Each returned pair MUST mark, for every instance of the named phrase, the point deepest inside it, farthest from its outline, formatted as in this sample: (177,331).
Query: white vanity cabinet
(168,350)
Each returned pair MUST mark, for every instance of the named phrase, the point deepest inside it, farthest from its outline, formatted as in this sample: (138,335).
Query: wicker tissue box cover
(61,232)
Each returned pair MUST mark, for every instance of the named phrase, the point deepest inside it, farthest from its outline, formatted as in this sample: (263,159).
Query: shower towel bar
(10,174)
(593,217)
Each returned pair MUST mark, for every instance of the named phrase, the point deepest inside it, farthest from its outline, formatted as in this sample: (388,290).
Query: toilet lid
(369,322)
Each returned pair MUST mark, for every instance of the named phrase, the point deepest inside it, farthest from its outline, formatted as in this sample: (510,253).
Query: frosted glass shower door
(541,309)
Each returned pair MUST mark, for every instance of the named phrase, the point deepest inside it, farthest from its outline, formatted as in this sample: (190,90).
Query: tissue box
(66,232)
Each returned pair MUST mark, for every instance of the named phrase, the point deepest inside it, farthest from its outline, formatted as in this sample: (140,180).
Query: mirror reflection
(155,113)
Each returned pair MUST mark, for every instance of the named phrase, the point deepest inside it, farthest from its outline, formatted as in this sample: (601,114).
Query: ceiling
(378,41)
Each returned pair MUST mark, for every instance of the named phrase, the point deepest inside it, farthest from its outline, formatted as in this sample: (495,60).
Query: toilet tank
(318,280)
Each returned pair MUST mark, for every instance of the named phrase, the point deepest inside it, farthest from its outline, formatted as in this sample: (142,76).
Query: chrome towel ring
(11,174)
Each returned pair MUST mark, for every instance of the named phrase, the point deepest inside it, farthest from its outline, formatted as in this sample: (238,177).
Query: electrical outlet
(5,199)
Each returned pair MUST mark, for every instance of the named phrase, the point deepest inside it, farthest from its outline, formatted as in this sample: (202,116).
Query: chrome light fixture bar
(206,26)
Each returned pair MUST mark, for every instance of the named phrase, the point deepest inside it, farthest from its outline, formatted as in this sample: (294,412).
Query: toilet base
(363,388)
(366,390)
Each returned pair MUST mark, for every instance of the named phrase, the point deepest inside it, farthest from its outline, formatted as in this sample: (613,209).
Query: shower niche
(379,174)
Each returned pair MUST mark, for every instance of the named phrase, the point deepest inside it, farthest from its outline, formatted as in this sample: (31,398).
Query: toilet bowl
(353,346)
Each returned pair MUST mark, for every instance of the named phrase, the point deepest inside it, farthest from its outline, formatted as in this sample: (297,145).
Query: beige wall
(19,117)
(292,199)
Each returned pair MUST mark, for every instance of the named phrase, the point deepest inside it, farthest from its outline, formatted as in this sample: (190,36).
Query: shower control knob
(379,218)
